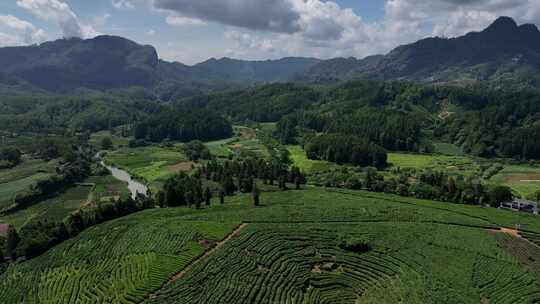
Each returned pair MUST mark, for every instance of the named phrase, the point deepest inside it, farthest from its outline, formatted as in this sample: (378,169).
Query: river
(134,186)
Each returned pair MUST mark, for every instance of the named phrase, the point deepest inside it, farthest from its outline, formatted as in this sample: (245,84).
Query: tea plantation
(309,246)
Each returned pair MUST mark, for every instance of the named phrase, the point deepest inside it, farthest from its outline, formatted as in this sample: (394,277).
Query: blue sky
(191,31)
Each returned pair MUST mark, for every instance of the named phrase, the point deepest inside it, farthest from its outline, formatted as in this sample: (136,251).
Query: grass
(244,142)
(299,158)
(448,149)
(21,177)
(424,251)
(451,164)
(118,141)
(54,209)
(151,164)
(524,179)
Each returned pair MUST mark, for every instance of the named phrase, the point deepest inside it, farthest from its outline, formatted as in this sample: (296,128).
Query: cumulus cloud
(268,15)
(14,31)
(260,29)
(61,13)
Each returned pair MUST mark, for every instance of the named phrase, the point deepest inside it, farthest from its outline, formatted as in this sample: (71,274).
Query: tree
(106,143)
(256,194)
(12,239)
(207,196)
(11,157)
(221,197)
(500,194)
(297,182)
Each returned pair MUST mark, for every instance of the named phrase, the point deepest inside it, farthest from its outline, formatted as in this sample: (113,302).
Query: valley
(410,177)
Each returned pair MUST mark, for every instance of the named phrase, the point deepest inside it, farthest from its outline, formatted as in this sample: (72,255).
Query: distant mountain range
(502,52)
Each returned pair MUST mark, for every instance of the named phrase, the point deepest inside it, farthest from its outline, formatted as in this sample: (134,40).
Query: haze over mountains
(502,52)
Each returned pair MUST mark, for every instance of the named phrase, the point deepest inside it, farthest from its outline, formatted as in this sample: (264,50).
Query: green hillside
(314,245)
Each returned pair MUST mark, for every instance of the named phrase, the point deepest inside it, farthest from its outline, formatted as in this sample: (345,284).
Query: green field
(57,208)
(21,177)
(243,143)
(299,158)
(152,164)
(452,164)
(117,262)
(448,149)
(288,251)
(524,179)
(96,138)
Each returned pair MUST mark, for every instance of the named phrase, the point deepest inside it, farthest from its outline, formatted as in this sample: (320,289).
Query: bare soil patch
(512,232)
(182,166)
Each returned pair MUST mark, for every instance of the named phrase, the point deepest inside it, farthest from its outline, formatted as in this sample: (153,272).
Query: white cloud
(259,29)
(150,32)
(183,21)
(120,4)
(14,31)
(61,13)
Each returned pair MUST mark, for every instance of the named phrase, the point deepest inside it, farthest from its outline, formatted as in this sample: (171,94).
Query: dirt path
(218,245)
(512,232)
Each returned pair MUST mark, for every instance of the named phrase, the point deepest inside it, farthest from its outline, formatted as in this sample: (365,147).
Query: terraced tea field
(304,263)
(116,262)
(289,250)
(54,209)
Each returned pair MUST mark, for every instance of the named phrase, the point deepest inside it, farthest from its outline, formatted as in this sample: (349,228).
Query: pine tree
(207,196)
(221,197)
(256,194)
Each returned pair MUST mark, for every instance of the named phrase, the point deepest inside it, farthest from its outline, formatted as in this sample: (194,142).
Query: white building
(522,205)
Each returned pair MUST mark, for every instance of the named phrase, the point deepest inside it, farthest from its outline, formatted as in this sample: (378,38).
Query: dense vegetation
(184,126)
(343,149)
(9,157)
(279,255)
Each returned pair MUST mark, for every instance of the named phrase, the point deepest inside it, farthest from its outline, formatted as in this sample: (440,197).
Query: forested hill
(503,52)
(398,116)
(268,70)
(109,62)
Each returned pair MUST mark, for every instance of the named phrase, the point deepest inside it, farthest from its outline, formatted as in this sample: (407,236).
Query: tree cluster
(9,157)
(185,126)
(346,149)
(38,235)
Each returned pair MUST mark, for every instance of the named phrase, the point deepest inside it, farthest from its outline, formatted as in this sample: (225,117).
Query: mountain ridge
(504,51)
(501,48)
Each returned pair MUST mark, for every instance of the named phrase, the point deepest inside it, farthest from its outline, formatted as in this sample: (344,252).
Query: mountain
(269,70)
(99,63)
(503,51)
(110,62)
